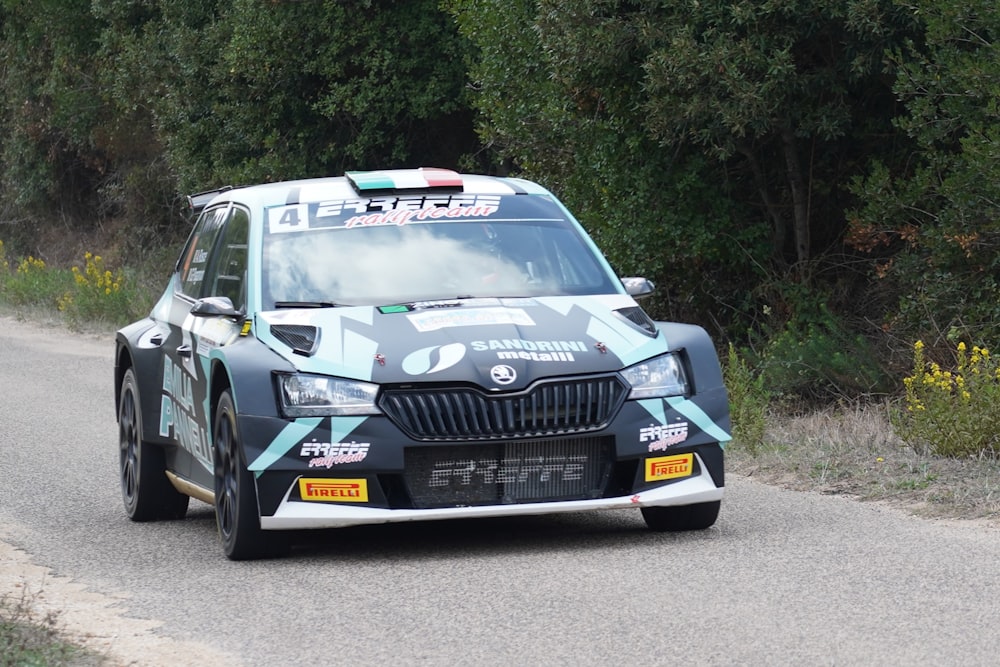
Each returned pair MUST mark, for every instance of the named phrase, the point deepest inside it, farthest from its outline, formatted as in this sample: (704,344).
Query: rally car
(408,345)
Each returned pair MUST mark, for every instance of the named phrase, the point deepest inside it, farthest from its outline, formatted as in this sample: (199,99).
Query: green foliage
(557,86)
(932,222)
(49,158)
(30,282)
(769,93)
(241,95)
(813,354)
(708,146)
(749,400)
(952,412)
(99,294)
(84,296)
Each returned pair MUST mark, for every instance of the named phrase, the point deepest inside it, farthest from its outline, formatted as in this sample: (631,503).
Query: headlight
(317,395)
(657,378)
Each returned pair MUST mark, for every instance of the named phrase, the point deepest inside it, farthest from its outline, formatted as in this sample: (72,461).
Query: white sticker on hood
(432,320)
(433,359)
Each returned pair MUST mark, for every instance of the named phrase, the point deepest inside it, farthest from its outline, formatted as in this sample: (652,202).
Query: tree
(51,160)
(241,92)
(933,222)
(557,87)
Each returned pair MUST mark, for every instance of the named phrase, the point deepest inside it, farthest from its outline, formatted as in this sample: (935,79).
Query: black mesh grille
(508,473)
(301,338)
(545,408)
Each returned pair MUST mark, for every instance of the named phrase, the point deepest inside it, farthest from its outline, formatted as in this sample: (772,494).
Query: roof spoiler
(197,202)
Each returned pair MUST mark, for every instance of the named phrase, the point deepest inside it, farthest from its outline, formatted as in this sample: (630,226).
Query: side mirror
(638,287)
(215,306)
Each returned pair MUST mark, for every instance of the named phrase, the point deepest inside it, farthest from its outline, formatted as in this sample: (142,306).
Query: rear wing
(198,201)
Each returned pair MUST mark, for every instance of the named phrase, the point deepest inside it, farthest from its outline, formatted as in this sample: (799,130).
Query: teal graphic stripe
(698,417)
(297,431)
(291,435)
(654,406)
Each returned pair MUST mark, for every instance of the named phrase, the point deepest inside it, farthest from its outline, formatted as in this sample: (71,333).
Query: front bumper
(342,471)
(294,515)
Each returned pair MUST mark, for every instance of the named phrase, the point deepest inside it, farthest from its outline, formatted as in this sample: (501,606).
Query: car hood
(498,344)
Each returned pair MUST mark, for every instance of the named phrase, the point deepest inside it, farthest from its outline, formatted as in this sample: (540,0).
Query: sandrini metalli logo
(433,359)
(503,374)
(531,350)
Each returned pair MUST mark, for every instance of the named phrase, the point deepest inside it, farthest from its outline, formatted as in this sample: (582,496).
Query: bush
(98,294)
(952,413)
(748,402)
(84,296)
(32,282)
(812,353)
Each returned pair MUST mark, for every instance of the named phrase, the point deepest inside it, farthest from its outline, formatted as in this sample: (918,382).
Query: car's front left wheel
(146,492)
(236,511)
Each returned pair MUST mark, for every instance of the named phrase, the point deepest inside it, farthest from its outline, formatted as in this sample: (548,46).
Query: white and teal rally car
(409,345)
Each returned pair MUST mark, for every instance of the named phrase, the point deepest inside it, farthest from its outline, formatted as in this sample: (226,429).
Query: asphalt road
(783,578)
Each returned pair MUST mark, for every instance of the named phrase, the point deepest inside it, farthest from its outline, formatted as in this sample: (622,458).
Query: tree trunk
(779,227)
(800,200)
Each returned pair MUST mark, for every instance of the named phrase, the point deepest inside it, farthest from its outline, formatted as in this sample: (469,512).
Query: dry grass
(28,639)
(852,450)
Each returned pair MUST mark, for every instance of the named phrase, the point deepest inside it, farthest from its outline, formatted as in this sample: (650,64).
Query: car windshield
(401,249)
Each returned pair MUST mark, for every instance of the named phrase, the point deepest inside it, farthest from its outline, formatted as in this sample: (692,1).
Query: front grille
(508,473)
(546,408)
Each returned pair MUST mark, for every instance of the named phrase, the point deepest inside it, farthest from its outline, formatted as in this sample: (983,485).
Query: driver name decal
(177,414)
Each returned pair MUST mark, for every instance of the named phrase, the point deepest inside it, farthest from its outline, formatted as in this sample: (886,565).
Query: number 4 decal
(293,218)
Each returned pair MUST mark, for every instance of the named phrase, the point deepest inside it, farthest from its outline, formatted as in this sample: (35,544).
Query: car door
(184,418)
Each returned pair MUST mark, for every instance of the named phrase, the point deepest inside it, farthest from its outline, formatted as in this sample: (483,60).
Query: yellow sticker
(247,324)
(669,467)
(334,490)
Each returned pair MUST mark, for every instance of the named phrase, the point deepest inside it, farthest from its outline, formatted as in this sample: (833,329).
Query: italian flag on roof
(405,179)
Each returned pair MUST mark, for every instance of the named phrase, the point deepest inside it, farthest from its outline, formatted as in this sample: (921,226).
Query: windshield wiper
(308,304)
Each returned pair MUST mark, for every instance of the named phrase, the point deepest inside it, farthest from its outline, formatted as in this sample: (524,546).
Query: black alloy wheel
(236,511)
(146,492)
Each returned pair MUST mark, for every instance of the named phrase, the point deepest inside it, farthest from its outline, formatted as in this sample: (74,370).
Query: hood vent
(302,338)
(637,317)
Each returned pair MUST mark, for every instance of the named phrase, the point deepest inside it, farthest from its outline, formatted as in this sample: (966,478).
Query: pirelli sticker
(669,467)
(334,490)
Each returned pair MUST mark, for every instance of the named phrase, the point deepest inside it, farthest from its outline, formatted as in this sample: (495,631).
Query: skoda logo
(503,374)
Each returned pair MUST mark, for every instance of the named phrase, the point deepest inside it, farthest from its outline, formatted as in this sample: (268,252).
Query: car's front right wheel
(675,518)
(236,510)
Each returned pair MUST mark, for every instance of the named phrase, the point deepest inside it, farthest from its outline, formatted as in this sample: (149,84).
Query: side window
(228,274)
(199,251)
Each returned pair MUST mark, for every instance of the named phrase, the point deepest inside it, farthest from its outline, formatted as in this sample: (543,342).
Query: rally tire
(146,492)
(236,511)
(682,517)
